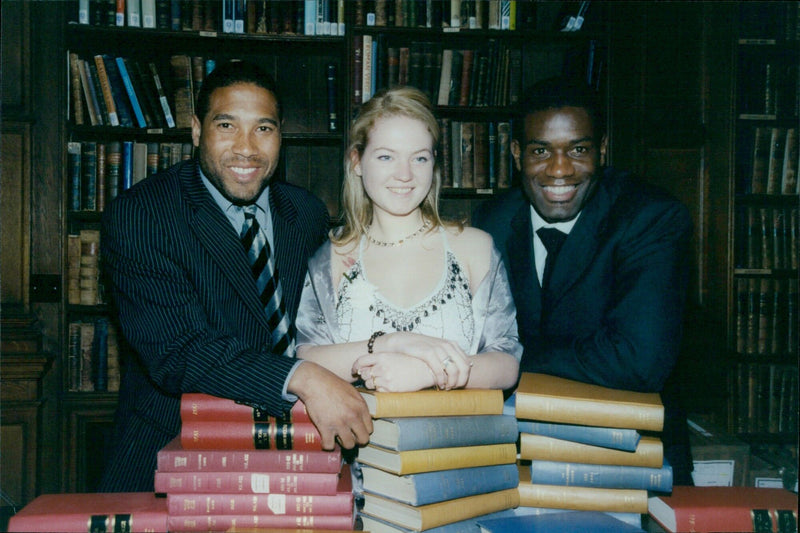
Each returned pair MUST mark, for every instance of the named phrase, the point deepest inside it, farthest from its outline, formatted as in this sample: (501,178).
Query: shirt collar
(538,222)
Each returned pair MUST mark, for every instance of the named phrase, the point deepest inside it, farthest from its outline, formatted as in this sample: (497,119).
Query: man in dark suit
(609,310)
(185,290)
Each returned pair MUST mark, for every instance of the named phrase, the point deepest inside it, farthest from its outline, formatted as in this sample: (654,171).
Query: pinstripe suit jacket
(189,308)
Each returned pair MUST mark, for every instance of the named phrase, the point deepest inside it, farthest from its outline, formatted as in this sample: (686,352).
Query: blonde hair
(400,101)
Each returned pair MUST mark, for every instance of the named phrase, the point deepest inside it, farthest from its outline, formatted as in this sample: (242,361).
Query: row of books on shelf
(766,319)
(475,155)
(309,17)
(765,398)
(93,359)
(767,237)
(116,91)
(769,87)
(766,21)
(99,170)
(451,14)
(774,163)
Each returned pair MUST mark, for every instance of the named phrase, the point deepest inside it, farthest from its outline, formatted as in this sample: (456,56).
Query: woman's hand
(446,361)
(393,372)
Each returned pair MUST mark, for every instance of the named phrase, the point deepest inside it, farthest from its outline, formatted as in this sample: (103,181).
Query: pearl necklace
(376,242)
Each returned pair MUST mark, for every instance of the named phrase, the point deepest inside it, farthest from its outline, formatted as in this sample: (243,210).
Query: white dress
(445,313)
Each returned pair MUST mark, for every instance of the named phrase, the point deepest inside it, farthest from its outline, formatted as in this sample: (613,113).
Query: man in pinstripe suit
(182,283)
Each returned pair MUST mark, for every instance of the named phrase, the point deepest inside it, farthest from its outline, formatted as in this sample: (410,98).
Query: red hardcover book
(271,435)
(246,482)
(237,522)
(195,505)
(174,458)
(725,509)
(137,512)
(197,406)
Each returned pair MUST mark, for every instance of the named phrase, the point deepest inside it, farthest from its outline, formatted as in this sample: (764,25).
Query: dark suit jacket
(188,306)
(612,314)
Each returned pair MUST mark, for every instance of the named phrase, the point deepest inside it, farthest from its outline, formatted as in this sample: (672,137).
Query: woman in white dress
(397,298)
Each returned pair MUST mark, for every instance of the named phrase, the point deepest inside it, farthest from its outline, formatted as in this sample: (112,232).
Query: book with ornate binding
(269,435)
(554,399)
(198,406)
(174,458)
(431,402)
(136,512)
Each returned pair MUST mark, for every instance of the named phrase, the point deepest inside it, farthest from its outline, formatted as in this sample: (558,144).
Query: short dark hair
(230,73)
(557,92)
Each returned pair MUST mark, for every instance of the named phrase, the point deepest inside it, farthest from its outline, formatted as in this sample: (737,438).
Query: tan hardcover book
(790,162)
(183,91)
(440,513)
(89,271)
(431,402)
(777,147)
(761,149)
(435,459)
(74,269)
(554,399)
(76,90)
(649,452)
(108,96)
(582,498)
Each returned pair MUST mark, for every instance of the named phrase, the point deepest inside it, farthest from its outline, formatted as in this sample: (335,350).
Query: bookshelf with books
(763,294)
(129,92)
(473,59)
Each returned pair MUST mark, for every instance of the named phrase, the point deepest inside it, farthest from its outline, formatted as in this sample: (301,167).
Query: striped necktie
(255,243)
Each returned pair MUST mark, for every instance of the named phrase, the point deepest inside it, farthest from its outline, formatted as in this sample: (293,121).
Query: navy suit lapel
(580,247)
(290,241)
(215,233)
(521,266)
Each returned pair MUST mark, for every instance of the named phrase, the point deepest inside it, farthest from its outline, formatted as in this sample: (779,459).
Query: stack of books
(589,448)
(233,467)
(436,461)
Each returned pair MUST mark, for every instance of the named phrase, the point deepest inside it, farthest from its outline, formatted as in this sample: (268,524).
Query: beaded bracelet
(371,341)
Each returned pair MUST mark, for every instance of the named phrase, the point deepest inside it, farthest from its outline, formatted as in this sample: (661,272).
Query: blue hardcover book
(602,476)
(432,487)
(567,522)
(118,92)
(126,166)
(615,438)
(134,100)
(470,525)
(100,354)
(422,432)
(634,519)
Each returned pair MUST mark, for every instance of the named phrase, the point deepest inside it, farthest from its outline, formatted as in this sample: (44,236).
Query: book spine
(134,100)
(198,406)
(229,522)
(649,452)
(124,112)
(440,432)
(250,435)
(429,460)
(179,460)
(442,485)
(573,411)
(76,91)
(583,498)
(75,174)
(259,504)
(162,96)
(615,438)
(601,476)
(246,482)
(108,96)
(89,176)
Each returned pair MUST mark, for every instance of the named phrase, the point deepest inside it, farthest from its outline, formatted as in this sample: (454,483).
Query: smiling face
(239,140)
(559,161)
(397,165)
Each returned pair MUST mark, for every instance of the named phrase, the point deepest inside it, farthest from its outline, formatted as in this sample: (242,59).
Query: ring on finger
(446,362)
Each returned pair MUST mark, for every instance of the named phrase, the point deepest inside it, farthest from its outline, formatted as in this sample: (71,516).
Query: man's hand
(334,406)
